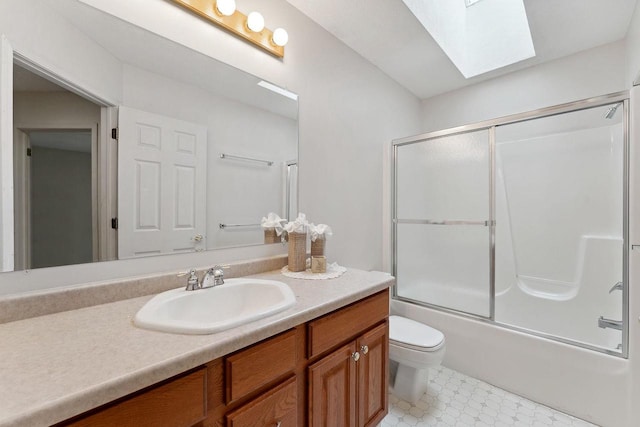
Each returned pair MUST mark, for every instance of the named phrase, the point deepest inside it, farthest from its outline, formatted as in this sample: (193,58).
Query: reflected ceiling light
(278,90)
(255,22)
(226,7)
(280,37)
(251,28)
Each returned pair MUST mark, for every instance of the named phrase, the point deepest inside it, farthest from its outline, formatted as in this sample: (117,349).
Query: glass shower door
(443,221)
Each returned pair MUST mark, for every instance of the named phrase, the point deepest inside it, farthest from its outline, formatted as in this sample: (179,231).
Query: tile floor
(454,399)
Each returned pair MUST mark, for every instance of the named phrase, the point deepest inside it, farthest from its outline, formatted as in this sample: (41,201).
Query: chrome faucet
(608,323)
(192,281)
(216,273)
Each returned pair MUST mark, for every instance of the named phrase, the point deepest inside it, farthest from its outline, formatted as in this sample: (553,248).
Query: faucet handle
(218,274)
(192,282)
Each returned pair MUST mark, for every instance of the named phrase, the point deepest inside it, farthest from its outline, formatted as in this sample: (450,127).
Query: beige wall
(633,48)
(593,72)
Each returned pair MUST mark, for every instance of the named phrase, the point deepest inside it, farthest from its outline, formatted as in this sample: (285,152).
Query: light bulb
(255,22)
(226,7)
(280,37)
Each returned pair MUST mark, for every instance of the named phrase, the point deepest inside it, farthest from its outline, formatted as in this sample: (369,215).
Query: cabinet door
(332,389)
(373,375)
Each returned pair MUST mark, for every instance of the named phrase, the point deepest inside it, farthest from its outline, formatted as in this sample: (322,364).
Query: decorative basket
(270,235)
(317,247)
(297,251)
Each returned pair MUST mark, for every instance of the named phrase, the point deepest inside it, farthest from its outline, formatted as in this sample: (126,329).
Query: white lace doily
(333,271)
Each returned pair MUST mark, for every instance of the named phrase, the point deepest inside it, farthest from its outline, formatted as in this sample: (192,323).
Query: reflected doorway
(57,211)
(60,209)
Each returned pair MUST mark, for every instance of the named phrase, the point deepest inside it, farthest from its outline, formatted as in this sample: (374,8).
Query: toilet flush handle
(364,349)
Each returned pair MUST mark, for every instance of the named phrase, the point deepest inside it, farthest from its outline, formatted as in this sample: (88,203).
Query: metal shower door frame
(490,126)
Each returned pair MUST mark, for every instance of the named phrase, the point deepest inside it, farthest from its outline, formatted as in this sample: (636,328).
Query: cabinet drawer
(344,324)
(179,402)
(257,366)
(277,407)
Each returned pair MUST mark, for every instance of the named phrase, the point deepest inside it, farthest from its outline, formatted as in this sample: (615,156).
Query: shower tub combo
(510,236)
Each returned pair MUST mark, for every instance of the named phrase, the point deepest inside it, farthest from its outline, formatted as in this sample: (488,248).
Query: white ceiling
(387,34)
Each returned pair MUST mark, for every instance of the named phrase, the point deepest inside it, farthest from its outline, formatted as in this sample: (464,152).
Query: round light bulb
(280,37)
(226,7)
(255,22)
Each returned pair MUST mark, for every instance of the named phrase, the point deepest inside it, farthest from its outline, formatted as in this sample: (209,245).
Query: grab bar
(223,226)
(249,159)
(441,222)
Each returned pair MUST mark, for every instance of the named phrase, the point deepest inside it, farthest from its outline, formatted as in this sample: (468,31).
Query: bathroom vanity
(322,362)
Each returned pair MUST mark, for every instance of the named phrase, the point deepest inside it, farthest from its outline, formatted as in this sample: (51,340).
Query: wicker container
(317,247)
(270,235)
(318,264)
(297,251)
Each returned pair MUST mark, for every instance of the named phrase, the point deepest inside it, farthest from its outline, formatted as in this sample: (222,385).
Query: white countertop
(56,366)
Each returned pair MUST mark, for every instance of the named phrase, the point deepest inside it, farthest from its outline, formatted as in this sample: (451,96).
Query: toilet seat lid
(409,333)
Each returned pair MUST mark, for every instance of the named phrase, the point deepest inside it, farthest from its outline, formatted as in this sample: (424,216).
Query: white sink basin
(210,310)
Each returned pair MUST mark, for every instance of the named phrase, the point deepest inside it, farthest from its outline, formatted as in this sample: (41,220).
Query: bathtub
(587,384)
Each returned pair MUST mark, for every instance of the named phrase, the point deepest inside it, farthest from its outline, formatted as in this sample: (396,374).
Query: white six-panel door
(161,184)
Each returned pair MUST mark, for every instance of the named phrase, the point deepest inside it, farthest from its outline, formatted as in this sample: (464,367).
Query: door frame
(105,163)
(7,247)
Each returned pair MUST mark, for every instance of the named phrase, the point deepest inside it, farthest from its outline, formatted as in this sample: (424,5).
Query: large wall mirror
(201,153)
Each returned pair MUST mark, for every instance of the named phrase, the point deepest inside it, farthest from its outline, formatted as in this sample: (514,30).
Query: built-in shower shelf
(539,287)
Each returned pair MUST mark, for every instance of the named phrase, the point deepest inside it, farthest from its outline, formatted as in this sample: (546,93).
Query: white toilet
(413,348)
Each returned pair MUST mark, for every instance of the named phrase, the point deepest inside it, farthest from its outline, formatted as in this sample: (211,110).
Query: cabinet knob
(197,238)
(355,356)
(364,349)
(278,423)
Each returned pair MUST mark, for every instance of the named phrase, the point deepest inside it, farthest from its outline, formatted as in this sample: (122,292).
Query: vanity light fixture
(255,22)
(251,28)
(280,37)
(226,7)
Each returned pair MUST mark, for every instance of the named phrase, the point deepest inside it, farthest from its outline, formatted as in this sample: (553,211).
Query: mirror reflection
(199,153)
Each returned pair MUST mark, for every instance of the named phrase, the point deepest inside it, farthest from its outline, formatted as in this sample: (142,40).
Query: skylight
(490,35)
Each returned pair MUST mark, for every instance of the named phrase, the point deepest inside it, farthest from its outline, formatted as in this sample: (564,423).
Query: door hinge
(114,133)
(114,223)
(28,152)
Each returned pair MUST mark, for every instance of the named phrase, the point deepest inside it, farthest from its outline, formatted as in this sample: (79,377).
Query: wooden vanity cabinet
(260,382)
(307,375)
(177,402)
(348,385)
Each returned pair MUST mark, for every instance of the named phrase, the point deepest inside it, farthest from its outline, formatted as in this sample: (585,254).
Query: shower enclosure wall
(520,221)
